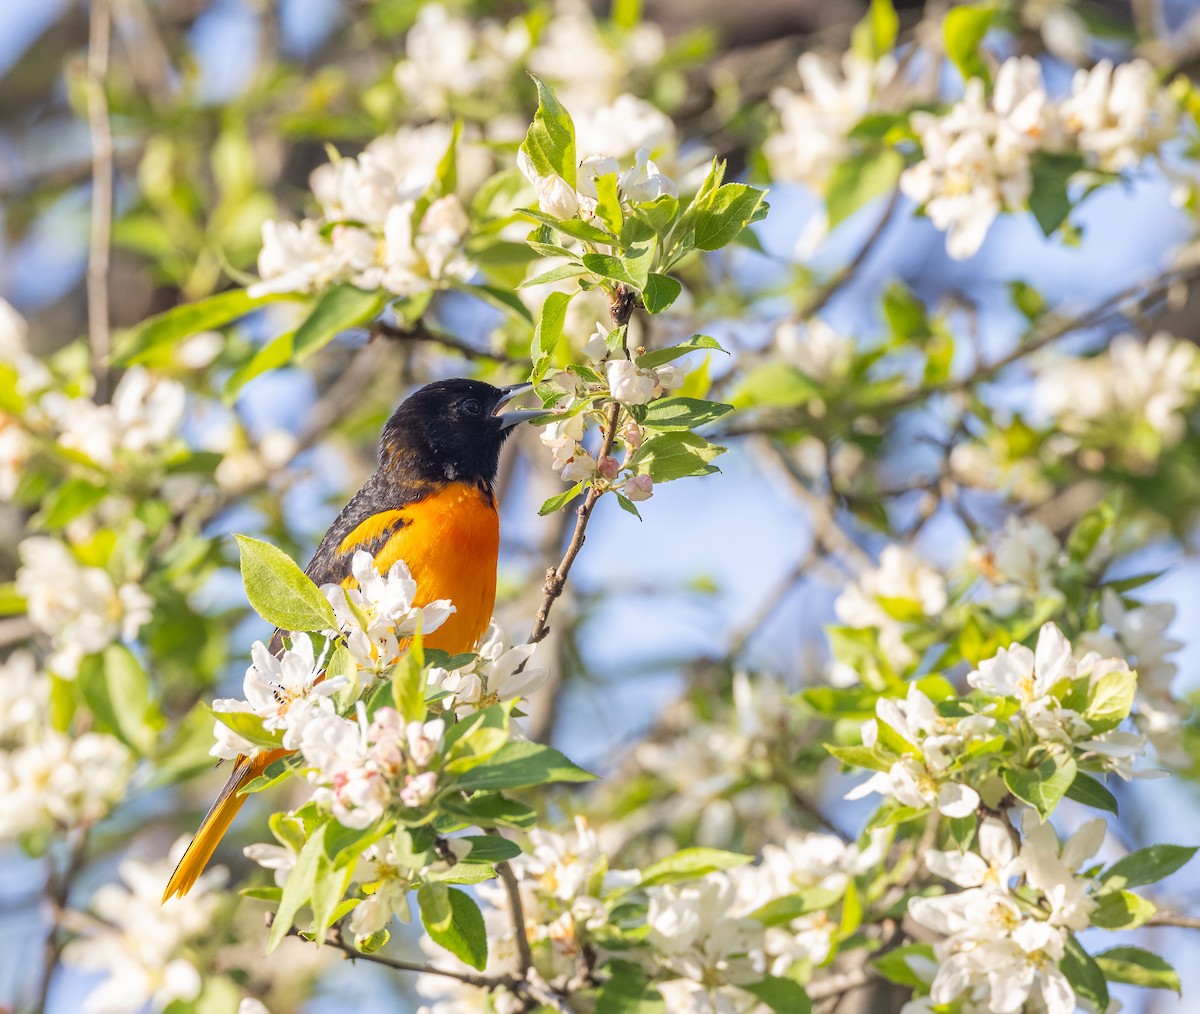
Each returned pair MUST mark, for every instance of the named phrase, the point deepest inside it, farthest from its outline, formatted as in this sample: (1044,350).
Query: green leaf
(408,683)
(458,926)
(117,690)
(774,386)
(329,888)
(184,321)
(560,500)
(626,991)
(521,763)
(1147,866)
(276,353)
(869,757)
(550,140)
(1084,974)
(1044,786)
(894,966)
(724,213)
(571,226)
(964,29)
(860,179)
(677,455)
(682,413)
(249,726)
(299,886)
(608,203)
(792,906)
(691,864)
(1117,910)
(572,270)
(548,331)
(1109,699)
(660,292)
(338,310)
(875,35)
(1087,790)
(72,498)
(1048,197)
(1138,968)
(490,848)
(11,604)
(632,270)
(628,506)
(785,996)
(657,357)
(434,900)
(279,591)
(493,810)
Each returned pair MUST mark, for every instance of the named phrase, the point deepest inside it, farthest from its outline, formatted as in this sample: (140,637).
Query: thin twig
(520,934)
(421,332)
(1174,919)
(836,283)
(100,31)
(835,985)
(56,893)
(621,310)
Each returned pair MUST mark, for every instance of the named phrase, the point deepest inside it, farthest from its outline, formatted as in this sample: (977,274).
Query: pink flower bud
(418,789)
(608,466)
(639,487)
(632,435)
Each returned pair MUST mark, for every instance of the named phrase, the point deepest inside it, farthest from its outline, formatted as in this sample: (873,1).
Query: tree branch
(621,307)
(99,338)
(56,893)
(517,910)
(1174,919)
(421,332)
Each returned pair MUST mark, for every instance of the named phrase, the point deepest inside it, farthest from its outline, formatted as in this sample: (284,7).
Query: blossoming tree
(989,470)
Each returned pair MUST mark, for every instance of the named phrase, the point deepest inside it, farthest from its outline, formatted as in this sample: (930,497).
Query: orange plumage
(430,503)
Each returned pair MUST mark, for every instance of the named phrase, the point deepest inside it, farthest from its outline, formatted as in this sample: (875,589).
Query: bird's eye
(470,407)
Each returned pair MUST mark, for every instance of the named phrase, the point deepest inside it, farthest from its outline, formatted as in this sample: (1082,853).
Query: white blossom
(1132,383)
(902,583)
(448,56)
(80,608)
(377,615)
(977,156)
(1119,116)
(815,123)
(815,349)
(55,782)
(284,690)
(628,383)
(140,941)
(496,674)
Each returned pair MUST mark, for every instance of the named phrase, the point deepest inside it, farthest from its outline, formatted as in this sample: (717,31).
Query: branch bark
(99,338)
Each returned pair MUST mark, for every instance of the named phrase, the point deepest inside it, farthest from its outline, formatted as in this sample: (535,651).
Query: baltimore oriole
(429,503)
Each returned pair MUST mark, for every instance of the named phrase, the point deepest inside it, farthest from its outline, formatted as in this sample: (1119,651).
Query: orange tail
(216,822)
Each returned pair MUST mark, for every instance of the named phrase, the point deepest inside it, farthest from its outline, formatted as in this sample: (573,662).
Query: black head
(450,430)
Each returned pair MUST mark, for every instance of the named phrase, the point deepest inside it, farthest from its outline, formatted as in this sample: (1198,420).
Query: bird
(430,502)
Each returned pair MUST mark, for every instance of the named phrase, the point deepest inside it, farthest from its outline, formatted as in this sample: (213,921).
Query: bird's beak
(510,419)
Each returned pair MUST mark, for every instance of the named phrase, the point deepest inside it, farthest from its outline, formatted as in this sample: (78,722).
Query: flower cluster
(286,691)
(815,123)
(377,615)
(628,384)
(81,609)
(144,946)
(1000,948)
(636,184)
(495,674)
(978,155)
(448,58)
(567,893)
(378,227)
(362,766)
(1128,401)
(901,591)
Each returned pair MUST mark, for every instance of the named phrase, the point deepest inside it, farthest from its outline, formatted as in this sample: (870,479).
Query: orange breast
(450,541)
